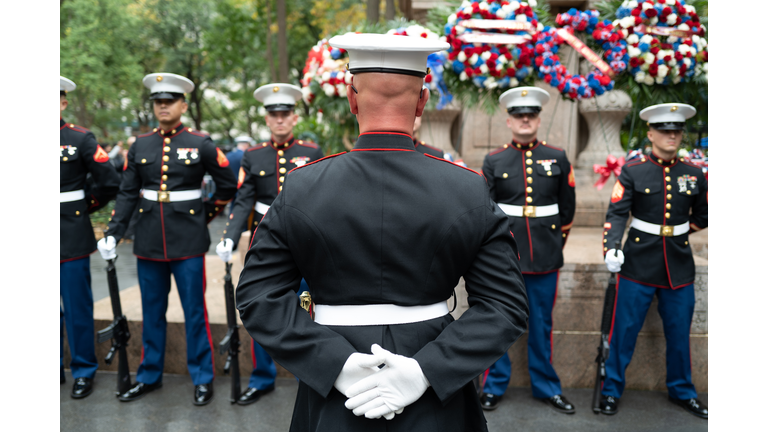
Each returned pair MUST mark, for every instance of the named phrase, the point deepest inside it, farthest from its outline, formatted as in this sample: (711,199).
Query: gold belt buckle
(529,211)
(306,303)
(163,196)
(667,231)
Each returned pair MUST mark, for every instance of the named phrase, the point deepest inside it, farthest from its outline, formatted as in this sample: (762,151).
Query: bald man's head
(387,96)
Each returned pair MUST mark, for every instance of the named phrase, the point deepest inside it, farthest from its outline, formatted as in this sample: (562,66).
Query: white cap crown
(168,83)
(278,95)
(66,84)
(370,52)
(668,113)
(523,97)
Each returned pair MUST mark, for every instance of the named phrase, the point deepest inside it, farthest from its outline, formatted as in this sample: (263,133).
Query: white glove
(357,367)
(107,247)
(398,384)
(614,262)
(224,250)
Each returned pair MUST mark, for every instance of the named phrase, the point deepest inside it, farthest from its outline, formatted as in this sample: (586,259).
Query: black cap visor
(279,107)
(668,126)
(524,110)
(389,70)
(166,95)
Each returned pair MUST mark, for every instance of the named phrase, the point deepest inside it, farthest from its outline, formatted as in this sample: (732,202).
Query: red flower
(666,11)
(683,68)
(650,13)
(548,78)
(688,42)
(667,58)
(424,35)
(654,50)
(428,78)
(653,69)
(638,20)
(678,56)
(633,61)
(636,12)
(511,72)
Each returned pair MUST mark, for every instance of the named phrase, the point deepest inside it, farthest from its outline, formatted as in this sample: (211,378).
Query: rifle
(118,332)
(231,342)
(603,349)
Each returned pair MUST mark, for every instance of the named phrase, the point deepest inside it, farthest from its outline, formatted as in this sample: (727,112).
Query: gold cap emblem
(673,109)
(159,78)
(524,93)
(275,89)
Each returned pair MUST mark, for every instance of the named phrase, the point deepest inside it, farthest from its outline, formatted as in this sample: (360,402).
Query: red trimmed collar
(283,145)
(384,140)
(661,162)
(520,146)
(167,133)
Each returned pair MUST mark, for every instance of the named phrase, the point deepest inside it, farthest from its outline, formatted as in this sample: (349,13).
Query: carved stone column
(436,128)
(604,115)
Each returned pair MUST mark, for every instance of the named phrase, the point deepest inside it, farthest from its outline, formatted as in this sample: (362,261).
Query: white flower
(513,82)
(671,18)
(463,76)
(702,44)
(705,67)
(683,153)
(503,59)
(687,62)
(468,10)
(326,76)
(627,22)
(645,66)
(473,59)
(648,80)
(663,70)
(646,39)
(654,20)
(670,2)
(486,55)
(633,52)
(305,93)
(320,117)
(540,27)
(672,62)
(631,4)
(633,39)
(501,13)
(616,23)
(521,18)
(682,26)
(466,3)
(514,5)
(676,79)
(649,57)
(647,5)
(460,29)
(484,68)
(452,19)
(672,39)
(329,89)
(533,3)
(461,57)
(659,80)
(483,6)
(490,83)
(640,76)
(689,9)
(499,66)
(624,33)
(341,89)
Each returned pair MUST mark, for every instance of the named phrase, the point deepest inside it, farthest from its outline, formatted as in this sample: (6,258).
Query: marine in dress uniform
(260,179)
(533,183)
(235,158)
(162,178)
(668,199)
(348,224)
(79,154)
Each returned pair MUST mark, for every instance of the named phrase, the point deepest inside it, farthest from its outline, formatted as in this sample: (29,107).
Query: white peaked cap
(369,52)
(668,113)
(524,97)
(66,84)
(163,85)
(278,96)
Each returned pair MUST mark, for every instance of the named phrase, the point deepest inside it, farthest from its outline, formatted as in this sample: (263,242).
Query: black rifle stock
(603,349)
(118,332)
(231,342)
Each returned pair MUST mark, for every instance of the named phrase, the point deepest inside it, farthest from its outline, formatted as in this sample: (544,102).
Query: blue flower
(335,53)
(479,80)
(458,67)
(643,47)
(521,73)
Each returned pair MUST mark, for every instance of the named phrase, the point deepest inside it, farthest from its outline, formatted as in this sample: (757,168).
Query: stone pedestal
(436,128)
(604,115)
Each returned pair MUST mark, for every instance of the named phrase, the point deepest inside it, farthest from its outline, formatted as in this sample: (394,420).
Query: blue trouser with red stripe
(76,296)
(155,285)
(264,371)
(676,309)
(542,291)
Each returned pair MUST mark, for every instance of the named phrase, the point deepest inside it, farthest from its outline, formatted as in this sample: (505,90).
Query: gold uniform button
(519,146)
(505,175)
(529,199)
(166,158)
(529,189)
(173,131)
(143,161)
(92,201)
(605,232)
(565,235)
(141,210)
(211,215)
(280,152)
(77,213)
(637,239)
(282,170)
(255,223)
(154,130)
(667,215)
(554,226)
(669,196)
(666,170)
(506,145)
(529,153)
(688,192)
(605,249)
(280,189)
(191,211)
(528,162)
(216,208)
(282,160)
(224,232)
(529,170)
(163,186)
(660,161)
(165,167)
(164,177)
(282,179)
(530,180)
(167,140)
(66,158)
(669,187)
(647,190)
(187,162)
(261,173)
(667,178)
(549,173)
(605,240)
(669,206)
(166,149)
(686,242)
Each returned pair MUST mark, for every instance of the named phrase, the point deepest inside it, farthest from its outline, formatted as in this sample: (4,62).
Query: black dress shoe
(560,403)
(609,405)
(138,391)
(693,406)
(489,401)
(203,394)
(251,395)
(82,387)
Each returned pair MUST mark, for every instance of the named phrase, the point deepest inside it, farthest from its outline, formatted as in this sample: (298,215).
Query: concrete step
(576,319)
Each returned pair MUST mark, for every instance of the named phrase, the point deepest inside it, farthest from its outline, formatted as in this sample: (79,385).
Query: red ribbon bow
(612,165)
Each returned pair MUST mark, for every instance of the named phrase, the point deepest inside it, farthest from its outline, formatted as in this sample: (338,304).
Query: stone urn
(436,128)
(604,115)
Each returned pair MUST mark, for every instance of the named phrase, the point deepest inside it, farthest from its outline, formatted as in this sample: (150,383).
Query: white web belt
(171,196)
(261,208)
(71,196)
(660,230)
(530,211)
(377,314)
